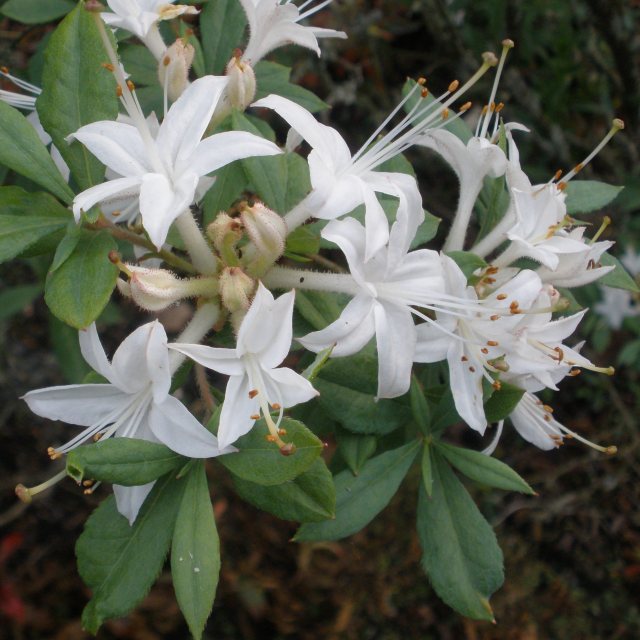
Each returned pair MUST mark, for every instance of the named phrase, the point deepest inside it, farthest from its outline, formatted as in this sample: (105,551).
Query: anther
(489,280)
(119,91)
(53,454)
(575,372)
(489,58)
(508,43)
(465,107)
(494,317)
(501,296)
(270,438)
(560,353)
(579,167)
(464,359)
(497,385)
(421,81)
(4,69)
(424,93)
(87,483)
(282,432)
(108,66)
(472,369)
(253,393)
(453,86)
(166,61)
(557,175)
(484,350)
(547,408)
(276,406)
(445,114)
(491,270)
(130,85)
(499,107)
(492,343)
(288,449)
(255,416)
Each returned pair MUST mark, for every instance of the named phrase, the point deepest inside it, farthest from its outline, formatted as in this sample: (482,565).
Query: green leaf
(272,77)
(76,90)
(310,497)
(584,196)
(347,389)
(22,151)
(228,187)
(120,562)
(222,24)
(312,371)
(302,241)
(502,402)
(15,299)
(195,552)
(318,308)
(261,462)
(355,448)
(66,246)
(359,499)
(79,290)
(467,261)
(140,64)
(618,278)
(427,468)
(18,233)
(460,552)
(484,469)
(36,11)
(125,461)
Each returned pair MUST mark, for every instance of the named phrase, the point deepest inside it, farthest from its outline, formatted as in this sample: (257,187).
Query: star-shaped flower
(255,382)
(138,16)
(134,404)
(164,171)
(273,23)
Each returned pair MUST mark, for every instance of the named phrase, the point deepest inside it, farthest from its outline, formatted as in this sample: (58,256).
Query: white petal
(528,418)
(396,341)
(174,426)
(93,352)
(130,499)
(81,404)
(156,200)
(222,148)
(466,386)
(130,359)
(157,359)
(221,360)
(349,333)
(237,409)
(432,343)
(290,387)
(117,145)
(85,200)
(188,118)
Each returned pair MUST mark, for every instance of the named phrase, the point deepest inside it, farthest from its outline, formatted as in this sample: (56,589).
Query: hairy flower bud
(236,289)
(225,232)
(267,231)
(156,289)
(241,89)
(173,69)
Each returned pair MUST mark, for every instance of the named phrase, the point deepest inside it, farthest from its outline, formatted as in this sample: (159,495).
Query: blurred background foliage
(572,554)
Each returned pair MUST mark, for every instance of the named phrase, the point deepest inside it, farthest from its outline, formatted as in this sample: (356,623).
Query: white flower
(385,289)
(477,338)
(615,306)
(578,268)
(134,404)
(163,172)
(138,16)
(264,339)
(273,23)
(341,182)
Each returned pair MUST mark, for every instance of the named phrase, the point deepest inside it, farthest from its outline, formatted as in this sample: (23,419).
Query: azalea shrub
(156,170)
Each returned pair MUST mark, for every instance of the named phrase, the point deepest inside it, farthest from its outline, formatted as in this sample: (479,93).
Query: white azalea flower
(476,339)
(616,305)
(138,16)
(134,404)
(163,172)
(274,23)
(578,268)
(255,382)
(386,288)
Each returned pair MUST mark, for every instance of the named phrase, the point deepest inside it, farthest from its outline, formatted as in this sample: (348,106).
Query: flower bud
(236,289)
(241,89)
(156,289)
(267,231)
(173,69)
(224,232)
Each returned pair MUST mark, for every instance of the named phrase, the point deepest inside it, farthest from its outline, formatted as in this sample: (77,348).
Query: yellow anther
(453,86)
(465,107)
(253,393)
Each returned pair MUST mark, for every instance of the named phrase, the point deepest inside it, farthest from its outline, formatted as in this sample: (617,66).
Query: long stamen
(26,493)
(606,221)
(617,125)
(311,11)
(507,45)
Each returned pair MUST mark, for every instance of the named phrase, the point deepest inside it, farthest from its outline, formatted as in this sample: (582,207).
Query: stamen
(26,494)
(606,221)
(507,45)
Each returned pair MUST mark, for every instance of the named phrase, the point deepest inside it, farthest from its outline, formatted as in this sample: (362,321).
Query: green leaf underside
(76,90)
(195,552)
(22,151)
(79,289)
(460,552)
(502,402)
(347,389)
(419,406)
(125,461)
(120,562)
(484,469)
(359,499)
(222,24)
(261,462)
(585,196)
(427,469)
(310,497)
(618,277)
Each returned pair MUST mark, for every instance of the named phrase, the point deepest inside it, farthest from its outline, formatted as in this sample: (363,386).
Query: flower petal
(221,360)
(174,426)
(129,500)
(93,352)
(237,409)
(287,387)
(156,200)
(466,386)
(85,200)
